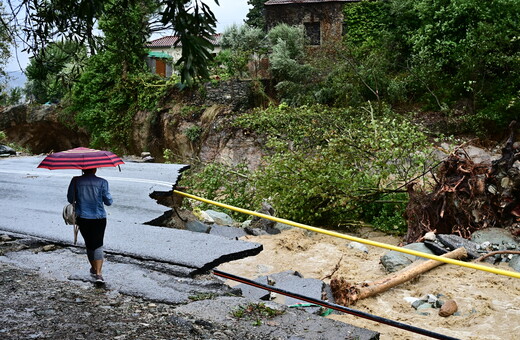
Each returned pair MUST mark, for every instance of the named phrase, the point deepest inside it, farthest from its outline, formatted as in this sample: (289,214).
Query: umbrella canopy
(80,158)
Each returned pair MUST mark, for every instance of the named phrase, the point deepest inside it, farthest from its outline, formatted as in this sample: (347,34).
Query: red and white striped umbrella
(80,158)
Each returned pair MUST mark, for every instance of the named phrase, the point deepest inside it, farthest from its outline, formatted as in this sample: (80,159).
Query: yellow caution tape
(357,239)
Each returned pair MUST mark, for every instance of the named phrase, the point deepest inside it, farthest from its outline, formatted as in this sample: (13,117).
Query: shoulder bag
(69,215)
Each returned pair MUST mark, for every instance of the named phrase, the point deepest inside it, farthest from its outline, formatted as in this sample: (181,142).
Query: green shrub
(225,184)
(193,133)
(387,213)
(326,166)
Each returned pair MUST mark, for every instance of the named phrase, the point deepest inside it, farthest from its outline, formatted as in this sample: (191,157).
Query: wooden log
(348,294)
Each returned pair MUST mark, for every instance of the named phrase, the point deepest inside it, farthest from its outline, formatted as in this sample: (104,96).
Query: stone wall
(235,94)
(327,15)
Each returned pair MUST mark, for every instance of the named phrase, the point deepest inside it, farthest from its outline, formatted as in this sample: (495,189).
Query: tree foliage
(241,45)
(5,52)
(458,57)
(52,73)
(463,55)
(47,21)
(468,51)
(256,14)
(328,166)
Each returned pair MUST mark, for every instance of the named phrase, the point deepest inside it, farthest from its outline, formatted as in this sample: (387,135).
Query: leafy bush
(386,213)
(105,104)
(226,184)
(241,44)
(193,133)
(326,166)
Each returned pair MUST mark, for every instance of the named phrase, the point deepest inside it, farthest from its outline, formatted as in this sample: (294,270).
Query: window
(313,32)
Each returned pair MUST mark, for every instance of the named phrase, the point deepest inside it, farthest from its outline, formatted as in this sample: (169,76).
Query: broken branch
(348,294)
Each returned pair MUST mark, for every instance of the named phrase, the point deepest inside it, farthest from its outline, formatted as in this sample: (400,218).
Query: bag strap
(74,191)
(76,227)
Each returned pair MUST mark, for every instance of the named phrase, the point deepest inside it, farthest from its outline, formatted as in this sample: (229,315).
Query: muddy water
(489,304)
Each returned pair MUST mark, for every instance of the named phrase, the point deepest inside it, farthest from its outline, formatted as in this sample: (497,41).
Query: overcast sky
(228,13)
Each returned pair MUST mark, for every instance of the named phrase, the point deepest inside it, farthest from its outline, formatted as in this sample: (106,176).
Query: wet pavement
(206,299)
(157,264)
(32,200)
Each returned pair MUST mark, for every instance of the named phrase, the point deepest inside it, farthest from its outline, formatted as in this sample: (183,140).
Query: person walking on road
(91,194)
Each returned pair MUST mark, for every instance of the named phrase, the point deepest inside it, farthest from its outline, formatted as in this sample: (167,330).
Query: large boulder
(40,129)
(6,150)
(394,260)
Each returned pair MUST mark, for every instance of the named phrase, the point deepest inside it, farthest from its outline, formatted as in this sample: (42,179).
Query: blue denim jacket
(91,193)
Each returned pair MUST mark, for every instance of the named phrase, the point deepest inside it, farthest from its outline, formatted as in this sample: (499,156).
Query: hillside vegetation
(338,119)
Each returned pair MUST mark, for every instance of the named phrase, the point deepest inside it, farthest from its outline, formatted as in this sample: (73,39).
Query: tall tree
(256,15)
(51,20)
(52,72)
(5,53)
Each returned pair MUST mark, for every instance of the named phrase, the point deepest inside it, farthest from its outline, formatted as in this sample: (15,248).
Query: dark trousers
(93,231)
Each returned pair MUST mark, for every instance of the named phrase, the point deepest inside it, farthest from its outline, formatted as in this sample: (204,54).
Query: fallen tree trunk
(347,294)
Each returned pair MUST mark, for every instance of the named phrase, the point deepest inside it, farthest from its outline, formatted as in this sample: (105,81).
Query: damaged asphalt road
(47,293)
(155,265)
(32,200)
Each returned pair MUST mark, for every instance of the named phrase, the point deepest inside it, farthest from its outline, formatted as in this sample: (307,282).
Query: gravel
(37,305)
(37,308)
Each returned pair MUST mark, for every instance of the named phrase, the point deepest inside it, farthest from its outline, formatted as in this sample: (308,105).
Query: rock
(358,246)
(453,242)
(282,226)
(448,308)
(417,303)
(479,155)
(5,150)
(219,217)
(255,231)
(145,154)
(486,246)
(425,308)
(430,236)
(394,260)
(227,232)
(203,216)
(494,235)
(264,224)
(197,226)
(515,263)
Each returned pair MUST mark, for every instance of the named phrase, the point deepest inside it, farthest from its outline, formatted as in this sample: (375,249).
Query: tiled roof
(169,40)
(286,2)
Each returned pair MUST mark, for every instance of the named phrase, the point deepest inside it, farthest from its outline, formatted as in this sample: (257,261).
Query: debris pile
(468,196)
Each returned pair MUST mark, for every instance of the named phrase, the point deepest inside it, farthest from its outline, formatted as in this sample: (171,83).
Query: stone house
(163,53)
(322,19)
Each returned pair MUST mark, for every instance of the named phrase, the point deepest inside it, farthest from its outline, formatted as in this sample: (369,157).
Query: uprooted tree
(468,196)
